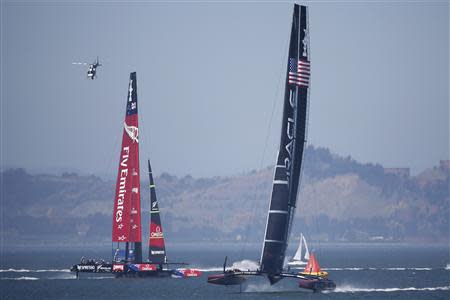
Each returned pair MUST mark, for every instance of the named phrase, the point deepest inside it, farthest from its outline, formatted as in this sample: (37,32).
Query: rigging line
(113,153)
(316,223)
(145,144)
(118,137)
(144,141)
(308,107)
(274,103)
(144,149)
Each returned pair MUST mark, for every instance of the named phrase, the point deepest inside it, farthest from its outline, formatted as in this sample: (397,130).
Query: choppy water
(360,271)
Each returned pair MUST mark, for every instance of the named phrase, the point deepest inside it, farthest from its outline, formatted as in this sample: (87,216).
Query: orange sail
(313,268)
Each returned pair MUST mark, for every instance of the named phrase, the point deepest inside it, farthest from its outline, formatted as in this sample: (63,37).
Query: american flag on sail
(299,72)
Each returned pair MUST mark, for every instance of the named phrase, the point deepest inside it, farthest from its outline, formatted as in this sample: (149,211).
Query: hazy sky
(208,75)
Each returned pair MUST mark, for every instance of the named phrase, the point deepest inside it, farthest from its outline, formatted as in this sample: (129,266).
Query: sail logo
(290,135)
(132,131)
(122,184)
(157,233)
(154,205)
(130,91)
(305,42)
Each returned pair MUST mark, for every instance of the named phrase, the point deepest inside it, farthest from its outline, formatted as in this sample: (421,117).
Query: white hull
(297,263)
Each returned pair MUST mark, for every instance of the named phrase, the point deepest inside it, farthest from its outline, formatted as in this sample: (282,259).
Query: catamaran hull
(126,274)
(314,283)
(226,279)
(130,271)
(91,268)
(140,270)
(317,285)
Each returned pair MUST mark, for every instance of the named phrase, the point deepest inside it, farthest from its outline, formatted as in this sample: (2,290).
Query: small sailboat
(297,260)
(314,278)
(126,224)
(313,268)
(288,168)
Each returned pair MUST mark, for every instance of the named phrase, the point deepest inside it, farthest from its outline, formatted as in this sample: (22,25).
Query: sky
(210,88)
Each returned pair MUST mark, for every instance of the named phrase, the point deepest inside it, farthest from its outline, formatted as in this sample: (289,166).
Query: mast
(289,160)
(156,245)
(126,225)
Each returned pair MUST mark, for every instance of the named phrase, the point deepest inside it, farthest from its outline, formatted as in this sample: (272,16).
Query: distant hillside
(340,200)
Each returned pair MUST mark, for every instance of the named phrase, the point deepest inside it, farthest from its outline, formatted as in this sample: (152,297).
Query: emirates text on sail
(122,184)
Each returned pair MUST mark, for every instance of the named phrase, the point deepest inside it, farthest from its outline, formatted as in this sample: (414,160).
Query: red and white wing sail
(126,226)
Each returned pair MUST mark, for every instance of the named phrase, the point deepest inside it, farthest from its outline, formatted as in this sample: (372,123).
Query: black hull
(226,279)
(127,272)
(91,268)
(231,277)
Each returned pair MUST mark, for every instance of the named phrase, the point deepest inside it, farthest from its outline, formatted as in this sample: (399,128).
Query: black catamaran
(126,224)
(288,168)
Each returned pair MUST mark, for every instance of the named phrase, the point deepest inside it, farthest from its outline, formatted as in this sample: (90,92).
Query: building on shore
(401,172)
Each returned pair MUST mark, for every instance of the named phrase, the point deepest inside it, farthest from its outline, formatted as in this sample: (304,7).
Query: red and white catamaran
(126,224)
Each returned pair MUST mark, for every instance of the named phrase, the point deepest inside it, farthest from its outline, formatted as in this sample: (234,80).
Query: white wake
(381,269)
(262,288)
(206,269)
(350,289)
(245,265)
(33,271)
(19,278)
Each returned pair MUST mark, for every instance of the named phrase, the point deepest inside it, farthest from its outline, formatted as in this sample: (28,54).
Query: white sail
(298,259)
(306,249)
(298,254)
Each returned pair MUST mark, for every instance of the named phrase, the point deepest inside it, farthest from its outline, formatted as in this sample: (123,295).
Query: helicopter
(92,69)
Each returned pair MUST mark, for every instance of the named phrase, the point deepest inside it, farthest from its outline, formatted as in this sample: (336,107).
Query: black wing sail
(156,244)
(289,161)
